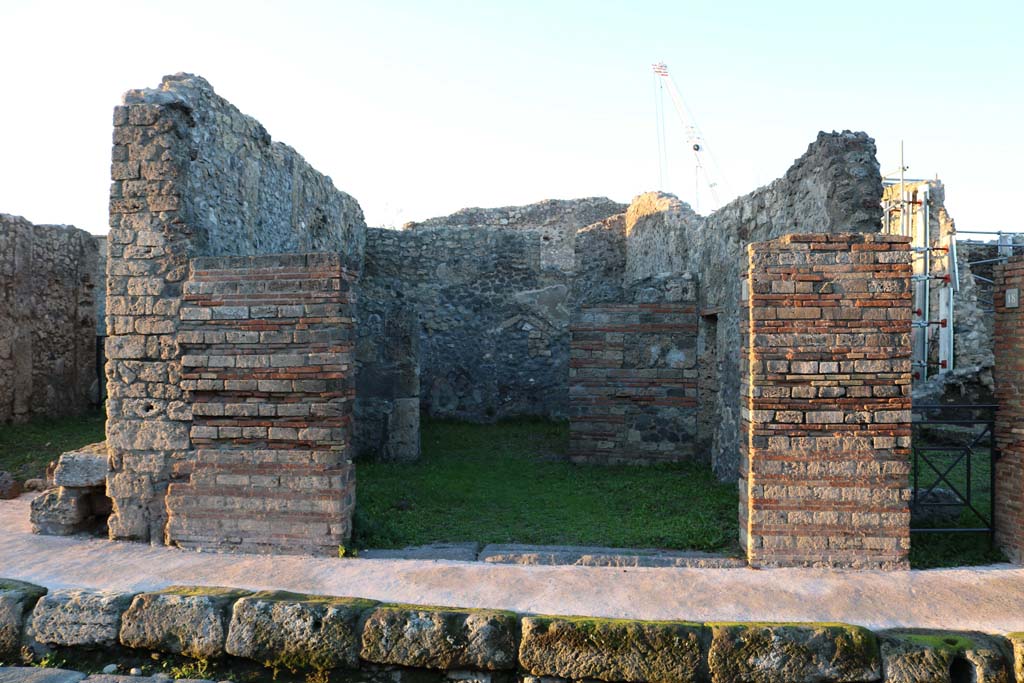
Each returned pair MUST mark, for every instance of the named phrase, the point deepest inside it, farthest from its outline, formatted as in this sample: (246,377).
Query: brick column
(1009,428)
(825,443)
(268,368)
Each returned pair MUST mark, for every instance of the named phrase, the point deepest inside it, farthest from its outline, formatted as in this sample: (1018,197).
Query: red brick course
(267,364)
(1009,427)
(825,448)
(633,383)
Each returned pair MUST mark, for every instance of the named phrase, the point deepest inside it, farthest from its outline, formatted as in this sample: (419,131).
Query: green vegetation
(26,449)
(930,550)
(953,642)
(509,483)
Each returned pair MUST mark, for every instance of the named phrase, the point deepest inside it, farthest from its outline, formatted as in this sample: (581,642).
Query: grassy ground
(928,550)
(26,449)
(505,483)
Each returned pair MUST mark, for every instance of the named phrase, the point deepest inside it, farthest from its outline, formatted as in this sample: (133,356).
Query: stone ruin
(259,337)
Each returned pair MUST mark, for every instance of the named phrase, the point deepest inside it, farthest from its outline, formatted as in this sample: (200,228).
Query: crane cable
(693,133)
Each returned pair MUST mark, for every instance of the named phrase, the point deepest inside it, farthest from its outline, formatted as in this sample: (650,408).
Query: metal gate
(953,468)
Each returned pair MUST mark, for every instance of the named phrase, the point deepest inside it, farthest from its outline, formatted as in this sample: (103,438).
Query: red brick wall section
(633,383)
(825,448)
(1009,377)
(267,364)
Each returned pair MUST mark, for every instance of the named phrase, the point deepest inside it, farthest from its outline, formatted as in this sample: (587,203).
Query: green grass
(26,449)
(930,550)
(508,483)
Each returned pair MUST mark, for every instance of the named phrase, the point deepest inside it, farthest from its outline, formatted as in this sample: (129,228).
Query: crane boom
(693,135)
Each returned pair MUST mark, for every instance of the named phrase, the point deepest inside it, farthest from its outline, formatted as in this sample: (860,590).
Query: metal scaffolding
(906,210)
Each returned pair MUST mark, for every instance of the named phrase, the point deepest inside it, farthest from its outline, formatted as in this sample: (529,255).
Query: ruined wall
(834,187)
(633,377)
(387,424)
(826,375)
(47,320)
(192,176)
(491,289)
(659,230)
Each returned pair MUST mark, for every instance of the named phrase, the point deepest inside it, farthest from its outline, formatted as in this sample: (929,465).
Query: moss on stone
(440,608)
(29,589)
(205,591)
(950,642)
(328,600)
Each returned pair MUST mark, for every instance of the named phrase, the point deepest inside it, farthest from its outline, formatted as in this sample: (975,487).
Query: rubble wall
(48,274)
(492,292)
(826,385)
(192,176)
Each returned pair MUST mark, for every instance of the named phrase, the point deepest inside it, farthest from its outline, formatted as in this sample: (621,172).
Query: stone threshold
(553,555)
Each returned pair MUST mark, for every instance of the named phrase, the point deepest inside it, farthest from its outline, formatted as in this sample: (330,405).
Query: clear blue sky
(421,108)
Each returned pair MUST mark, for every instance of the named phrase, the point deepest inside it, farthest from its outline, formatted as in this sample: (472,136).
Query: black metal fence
(953,468)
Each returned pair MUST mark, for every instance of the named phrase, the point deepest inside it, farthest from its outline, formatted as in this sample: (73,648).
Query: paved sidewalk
(981,598)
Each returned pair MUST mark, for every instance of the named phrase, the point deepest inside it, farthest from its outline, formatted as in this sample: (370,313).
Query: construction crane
(706,168)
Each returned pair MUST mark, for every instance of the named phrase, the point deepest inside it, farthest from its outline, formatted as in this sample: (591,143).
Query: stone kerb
(826,402)
(308,633)
(267,365)
(1009,378)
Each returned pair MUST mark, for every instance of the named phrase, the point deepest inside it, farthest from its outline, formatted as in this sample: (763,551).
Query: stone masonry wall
(47,320)
(192,176)
(834,187)
(826,402)
(633,377)
(491,288)
(268,372)
(1009,427)
(387,425)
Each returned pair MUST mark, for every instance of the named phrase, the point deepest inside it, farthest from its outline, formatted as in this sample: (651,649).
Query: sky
(420,108)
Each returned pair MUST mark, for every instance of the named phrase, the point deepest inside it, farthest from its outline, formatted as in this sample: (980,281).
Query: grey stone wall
(192,176)
(387,418)
(47,320)
(491,288)
(835,186)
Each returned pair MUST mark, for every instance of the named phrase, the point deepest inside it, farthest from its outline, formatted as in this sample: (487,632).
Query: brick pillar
(825,442)
(1009,428)
(268,369)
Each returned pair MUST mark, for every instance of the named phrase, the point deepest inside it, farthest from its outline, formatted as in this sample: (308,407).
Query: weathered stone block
(192,621)
(16,599)
(148,435)
(33,674)
(282,629)
(438,638)
(612,650)
(60,511)
(87,466)
(10,488)
(1016,641)
(84,618)
(792,653)
(931,656)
